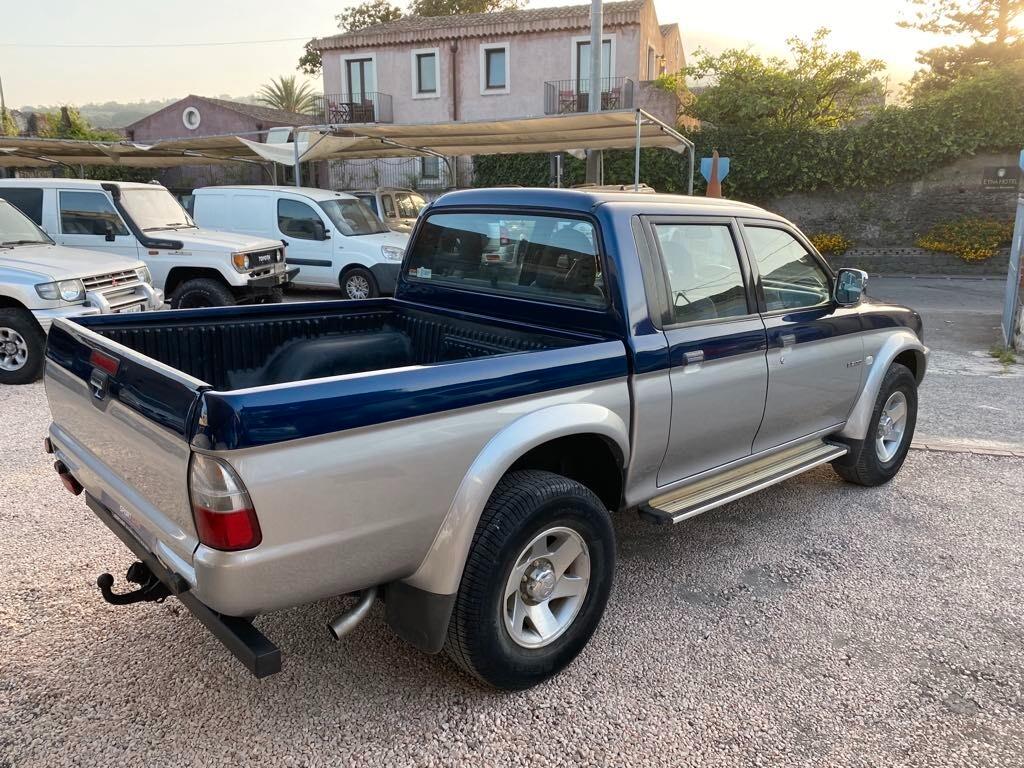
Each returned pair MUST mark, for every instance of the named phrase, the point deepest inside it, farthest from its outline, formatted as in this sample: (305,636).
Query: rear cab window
(546,257)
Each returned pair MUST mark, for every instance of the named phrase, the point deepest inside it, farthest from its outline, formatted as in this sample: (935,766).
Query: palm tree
(285,93)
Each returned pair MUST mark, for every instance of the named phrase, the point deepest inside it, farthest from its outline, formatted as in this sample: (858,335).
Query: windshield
(154,209)
(409,204)
(352,217)
(17,229)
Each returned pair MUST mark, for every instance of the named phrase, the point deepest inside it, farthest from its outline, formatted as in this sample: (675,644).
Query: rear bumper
(386,275)
(259,655)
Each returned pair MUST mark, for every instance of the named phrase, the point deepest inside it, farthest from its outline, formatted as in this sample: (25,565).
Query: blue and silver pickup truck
(550,358)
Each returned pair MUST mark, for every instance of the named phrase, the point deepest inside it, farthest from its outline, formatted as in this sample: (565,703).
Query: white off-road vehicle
(41,281)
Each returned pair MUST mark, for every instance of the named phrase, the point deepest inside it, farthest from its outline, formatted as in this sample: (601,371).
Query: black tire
(351,278)
(21,323)
(863,465)
(275,296)
(524,505)
(201,292)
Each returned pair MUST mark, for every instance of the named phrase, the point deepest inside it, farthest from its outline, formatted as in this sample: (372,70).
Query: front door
(716,344)
(299,224)
(815,347)
(89,220)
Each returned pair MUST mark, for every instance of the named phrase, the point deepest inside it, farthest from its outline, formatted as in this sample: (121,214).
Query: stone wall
(897,214)
(898,260)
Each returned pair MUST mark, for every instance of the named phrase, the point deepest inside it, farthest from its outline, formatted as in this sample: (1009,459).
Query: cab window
(389,206)
(89,213)
(791,277)
(27,200)
(703,270)
(551,258)
(296,219)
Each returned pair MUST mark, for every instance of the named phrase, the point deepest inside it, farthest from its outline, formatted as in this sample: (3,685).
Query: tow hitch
(151,589)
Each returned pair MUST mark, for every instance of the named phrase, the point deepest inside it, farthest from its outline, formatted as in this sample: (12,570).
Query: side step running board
(703,495)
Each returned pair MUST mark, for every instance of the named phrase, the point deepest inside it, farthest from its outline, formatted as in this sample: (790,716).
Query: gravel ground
(812,624)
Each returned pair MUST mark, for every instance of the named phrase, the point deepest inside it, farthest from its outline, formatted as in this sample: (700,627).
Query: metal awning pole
(636,158)
(295,147)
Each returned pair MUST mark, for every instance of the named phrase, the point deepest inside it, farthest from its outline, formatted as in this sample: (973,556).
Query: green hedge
(985,114)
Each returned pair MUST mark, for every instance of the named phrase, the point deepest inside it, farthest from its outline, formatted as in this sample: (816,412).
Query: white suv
(195,267)
(40,281)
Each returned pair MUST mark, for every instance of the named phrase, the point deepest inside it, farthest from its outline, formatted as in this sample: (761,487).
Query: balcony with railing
(562,97)
(368,107)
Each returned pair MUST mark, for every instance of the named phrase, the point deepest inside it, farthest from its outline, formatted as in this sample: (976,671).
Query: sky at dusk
(110,71)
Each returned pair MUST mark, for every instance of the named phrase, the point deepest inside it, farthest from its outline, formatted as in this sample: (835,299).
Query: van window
(389,206)
(409,205)
(532,256)
(296,219)
(28,201)
(352,217)
(89,213)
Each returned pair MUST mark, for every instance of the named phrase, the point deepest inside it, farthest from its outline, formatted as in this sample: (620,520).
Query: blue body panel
(257,417)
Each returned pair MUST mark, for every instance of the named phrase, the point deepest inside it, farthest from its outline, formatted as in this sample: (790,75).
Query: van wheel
(201,292)
(879,457)
(358,283)
(536,580)
(22,347)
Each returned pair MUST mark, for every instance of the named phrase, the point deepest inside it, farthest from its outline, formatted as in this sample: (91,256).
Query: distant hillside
(115,114)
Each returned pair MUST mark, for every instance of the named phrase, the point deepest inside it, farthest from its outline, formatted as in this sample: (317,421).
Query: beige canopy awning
(622,129)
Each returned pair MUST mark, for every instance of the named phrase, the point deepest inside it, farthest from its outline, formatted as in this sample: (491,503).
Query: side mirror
(850,286)
(320,231)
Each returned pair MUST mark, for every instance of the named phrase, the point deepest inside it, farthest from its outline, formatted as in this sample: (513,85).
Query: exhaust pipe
(344,623)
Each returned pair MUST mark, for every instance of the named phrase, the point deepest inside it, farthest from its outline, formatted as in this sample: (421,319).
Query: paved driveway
(967,394)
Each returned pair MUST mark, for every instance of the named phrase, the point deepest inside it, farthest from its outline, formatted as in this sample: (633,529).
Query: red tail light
(104,362)
(223,512)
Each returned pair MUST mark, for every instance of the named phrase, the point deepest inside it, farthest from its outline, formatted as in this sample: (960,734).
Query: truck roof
(313,193)
(587,199)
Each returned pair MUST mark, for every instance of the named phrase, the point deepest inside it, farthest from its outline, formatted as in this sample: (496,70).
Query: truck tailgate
(122,423)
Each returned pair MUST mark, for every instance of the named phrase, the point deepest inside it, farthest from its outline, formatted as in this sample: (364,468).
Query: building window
(494,68)
(360,78)
(581,63)
(425,72)
(652,63)
(430,168)
(191,118)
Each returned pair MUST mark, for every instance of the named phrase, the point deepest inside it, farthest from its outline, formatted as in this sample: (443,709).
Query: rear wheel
(536,581)
(880,456)
(201,292)
(358,283)
(22,345)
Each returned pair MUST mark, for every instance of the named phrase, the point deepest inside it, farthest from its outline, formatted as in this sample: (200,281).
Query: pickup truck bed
(316,340)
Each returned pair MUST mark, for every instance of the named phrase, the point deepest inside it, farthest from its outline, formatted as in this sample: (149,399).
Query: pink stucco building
(489,66)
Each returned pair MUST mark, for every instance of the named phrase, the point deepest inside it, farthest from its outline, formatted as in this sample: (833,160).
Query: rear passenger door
(716,342)
(88,219)
(815,347)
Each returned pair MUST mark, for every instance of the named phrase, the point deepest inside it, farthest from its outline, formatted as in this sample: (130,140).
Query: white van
(192,266)
(332,237)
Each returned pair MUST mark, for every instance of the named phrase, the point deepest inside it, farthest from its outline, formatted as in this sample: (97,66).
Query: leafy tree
(366,14)
(994,40)
(7,124)
(288,94)
(455,7)
(815,87)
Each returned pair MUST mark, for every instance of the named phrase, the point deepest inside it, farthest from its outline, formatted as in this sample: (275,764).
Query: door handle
(787,339)
(693,357)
